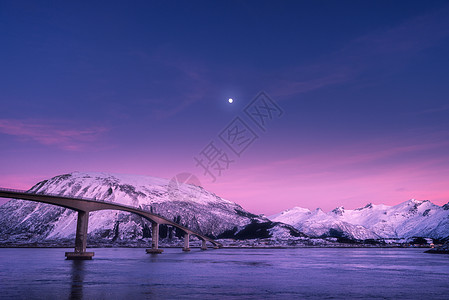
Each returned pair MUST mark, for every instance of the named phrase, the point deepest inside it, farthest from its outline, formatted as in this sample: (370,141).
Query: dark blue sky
(141,87)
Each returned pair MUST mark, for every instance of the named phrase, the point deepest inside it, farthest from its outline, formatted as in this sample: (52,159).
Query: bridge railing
(13,190)
(56,195)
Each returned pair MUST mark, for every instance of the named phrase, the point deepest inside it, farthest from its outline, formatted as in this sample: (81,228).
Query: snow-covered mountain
(411,218)
(27,222)
(189,205)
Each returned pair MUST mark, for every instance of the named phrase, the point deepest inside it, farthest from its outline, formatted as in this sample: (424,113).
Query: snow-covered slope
(186,204)
(319,223)
(411,218)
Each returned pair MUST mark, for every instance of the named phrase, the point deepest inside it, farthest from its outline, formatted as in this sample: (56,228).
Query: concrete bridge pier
(186,242)
(154,239)
(81,238)
(203,245)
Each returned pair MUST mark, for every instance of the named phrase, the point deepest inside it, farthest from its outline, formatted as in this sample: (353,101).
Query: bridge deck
(86,205)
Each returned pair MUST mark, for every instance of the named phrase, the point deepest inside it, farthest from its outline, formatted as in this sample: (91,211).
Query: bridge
(85,205)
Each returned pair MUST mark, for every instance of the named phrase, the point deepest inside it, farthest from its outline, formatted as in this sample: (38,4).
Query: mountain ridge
(411,218)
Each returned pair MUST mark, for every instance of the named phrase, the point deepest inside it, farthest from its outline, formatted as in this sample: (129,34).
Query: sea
(299,273)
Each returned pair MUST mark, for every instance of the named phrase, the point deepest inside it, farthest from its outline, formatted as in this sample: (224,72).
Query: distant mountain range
(31,223)
(409,219)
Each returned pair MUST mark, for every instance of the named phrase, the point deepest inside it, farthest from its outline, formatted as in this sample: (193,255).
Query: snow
(188,205)
(407,219)
(206,213)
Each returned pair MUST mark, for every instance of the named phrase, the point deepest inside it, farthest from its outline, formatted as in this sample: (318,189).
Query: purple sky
(142,88)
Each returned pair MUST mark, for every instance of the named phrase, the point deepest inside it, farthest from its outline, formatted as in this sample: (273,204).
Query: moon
(230,100)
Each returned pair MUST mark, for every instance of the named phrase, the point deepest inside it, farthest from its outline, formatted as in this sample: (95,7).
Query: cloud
(328,180)
(289,87)
(411,36)
(434,110)
(190,79)
(51,133)
(372,156)
(380,49)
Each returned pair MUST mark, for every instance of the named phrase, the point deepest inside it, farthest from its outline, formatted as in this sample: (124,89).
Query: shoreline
(431,250)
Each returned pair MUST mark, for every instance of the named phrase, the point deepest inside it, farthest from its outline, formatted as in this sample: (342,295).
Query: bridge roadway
(84,206)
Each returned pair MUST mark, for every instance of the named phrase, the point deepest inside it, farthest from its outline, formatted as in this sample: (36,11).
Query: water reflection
(76,289)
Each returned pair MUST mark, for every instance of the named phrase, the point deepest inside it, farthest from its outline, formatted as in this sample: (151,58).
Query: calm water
(225,273)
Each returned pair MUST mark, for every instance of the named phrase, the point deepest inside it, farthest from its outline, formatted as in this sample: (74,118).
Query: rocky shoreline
(444,249)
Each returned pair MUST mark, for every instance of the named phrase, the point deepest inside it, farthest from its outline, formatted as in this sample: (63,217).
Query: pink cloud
(51,133)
